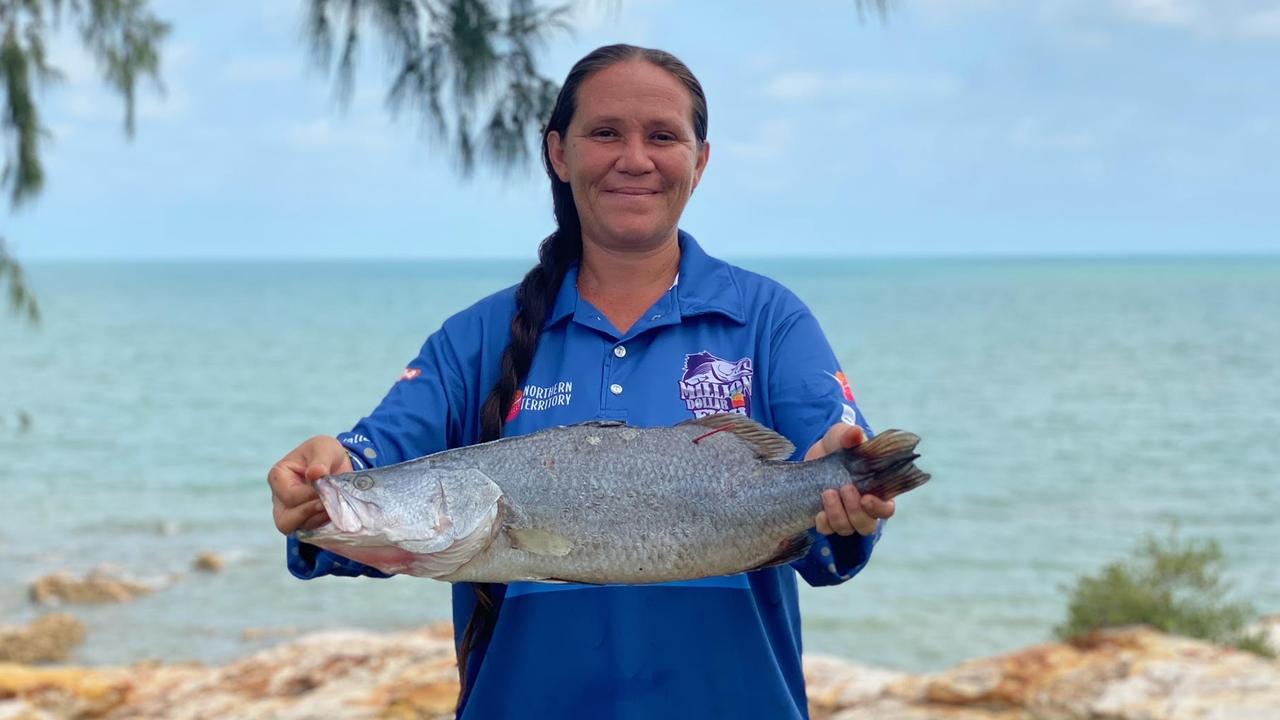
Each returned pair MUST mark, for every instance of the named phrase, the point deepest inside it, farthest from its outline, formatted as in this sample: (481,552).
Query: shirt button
(620,351)
(616,389)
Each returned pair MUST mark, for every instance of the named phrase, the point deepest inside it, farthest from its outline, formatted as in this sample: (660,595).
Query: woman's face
(630,155)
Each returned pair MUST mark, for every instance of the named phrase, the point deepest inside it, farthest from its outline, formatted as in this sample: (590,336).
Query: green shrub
(1172,585)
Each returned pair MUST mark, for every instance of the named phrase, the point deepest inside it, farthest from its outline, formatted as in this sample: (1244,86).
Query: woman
(624,317)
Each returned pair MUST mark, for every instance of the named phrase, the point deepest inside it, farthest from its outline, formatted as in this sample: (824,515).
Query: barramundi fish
(602,502)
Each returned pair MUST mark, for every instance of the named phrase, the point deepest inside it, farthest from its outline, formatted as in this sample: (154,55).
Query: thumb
(315,471)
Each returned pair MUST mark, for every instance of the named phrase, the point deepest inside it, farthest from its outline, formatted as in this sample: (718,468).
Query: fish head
(406,518)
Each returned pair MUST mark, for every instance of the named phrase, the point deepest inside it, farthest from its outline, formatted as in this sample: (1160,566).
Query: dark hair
(537,292)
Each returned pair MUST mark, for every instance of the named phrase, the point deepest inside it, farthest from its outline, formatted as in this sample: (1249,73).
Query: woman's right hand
(295,503)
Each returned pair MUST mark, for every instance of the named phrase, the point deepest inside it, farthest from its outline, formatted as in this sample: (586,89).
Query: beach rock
(334,674)
(209,561)
(1120,674)
(275,633)
(47,639)
(102,585)
(834,683)
(60,692)
(1125,674)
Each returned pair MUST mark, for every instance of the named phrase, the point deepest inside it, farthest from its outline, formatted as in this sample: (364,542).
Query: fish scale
(602,502)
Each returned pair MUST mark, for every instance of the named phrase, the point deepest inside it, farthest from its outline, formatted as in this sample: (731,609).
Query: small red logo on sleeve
(410,373)
(844,385)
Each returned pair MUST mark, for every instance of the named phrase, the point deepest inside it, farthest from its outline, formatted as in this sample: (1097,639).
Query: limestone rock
(209,561)
(833,683)
(61,692)
(47,639)
(98,586)
(1125,674)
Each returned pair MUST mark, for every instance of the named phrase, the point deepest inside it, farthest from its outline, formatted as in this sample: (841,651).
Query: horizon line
(975,255)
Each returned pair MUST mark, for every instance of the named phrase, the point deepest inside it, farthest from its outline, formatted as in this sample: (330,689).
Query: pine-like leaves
(123,36)
(467,68)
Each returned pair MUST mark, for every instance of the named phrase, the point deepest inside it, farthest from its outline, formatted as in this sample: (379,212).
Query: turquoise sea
(1068,407)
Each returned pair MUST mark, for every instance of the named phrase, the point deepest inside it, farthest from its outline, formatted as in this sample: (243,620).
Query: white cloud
(1035,134)
(1226,18)
(1181,13)
(262,69)
(771,140)
(795,86)
(323,134)
(879,85)
(1263,24)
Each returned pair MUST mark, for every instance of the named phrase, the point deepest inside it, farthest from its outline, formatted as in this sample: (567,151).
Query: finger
(877,508)
(820,521)
(315,521)
(852,436)
(832,441)
(290,519)
(836,514)
(315,471)
(858,517)
(289,486)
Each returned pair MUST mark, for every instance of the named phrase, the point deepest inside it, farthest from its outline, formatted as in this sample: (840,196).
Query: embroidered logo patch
(540,397)
(712,385)
(410,373)
(844,385)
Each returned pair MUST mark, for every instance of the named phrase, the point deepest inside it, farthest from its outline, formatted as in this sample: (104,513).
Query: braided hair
(538,290)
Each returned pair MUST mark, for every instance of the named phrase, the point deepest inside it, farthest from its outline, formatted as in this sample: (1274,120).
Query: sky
(952,128)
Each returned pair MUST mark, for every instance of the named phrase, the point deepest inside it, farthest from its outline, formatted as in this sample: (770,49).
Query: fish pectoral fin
(539,542)
(789,550)
(767,443)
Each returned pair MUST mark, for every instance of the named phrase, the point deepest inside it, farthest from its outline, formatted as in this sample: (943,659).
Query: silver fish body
(601,502)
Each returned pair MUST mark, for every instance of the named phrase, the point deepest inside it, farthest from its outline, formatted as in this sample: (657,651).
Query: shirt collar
(703,285)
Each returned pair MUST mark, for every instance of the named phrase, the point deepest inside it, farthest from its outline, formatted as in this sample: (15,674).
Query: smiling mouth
(633,192)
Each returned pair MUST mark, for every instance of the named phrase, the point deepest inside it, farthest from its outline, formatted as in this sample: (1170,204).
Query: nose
(634,159)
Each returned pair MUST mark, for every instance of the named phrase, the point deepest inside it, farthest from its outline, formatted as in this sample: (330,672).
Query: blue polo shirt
(720,340)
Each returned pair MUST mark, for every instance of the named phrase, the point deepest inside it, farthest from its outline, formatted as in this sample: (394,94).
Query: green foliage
(468,68)
(1175,586)
(21,300)
(124,39)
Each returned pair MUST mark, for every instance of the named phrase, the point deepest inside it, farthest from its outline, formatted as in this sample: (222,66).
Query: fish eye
(363,482)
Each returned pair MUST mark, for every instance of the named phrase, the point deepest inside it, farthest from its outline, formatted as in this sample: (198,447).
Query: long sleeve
(810,393)
(420,414)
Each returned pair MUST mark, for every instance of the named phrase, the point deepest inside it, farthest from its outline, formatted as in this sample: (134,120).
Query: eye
(604,133)
(363,482)
(664,137)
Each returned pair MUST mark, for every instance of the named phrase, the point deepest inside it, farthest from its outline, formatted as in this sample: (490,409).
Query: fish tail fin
(884,466)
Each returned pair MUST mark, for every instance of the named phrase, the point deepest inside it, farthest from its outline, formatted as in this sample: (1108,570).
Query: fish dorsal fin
(599,423)
(767,443)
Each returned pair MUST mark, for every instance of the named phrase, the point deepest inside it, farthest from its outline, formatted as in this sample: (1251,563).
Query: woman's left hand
(846,511)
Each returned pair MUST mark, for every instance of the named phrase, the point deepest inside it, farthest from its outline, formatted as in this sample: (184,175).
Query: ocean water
(1068,408)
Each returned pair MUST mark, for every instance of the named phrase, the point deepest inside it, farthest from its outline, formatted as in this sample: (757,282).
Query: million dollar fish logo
(712,384)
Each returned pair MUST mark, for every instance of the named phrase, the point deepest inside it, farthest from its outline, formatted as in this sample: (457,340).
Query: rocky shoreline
(1121,674)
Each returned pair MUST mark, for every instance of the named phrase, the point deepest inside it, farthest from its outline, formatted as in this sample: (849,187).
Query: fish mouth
(347,515)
